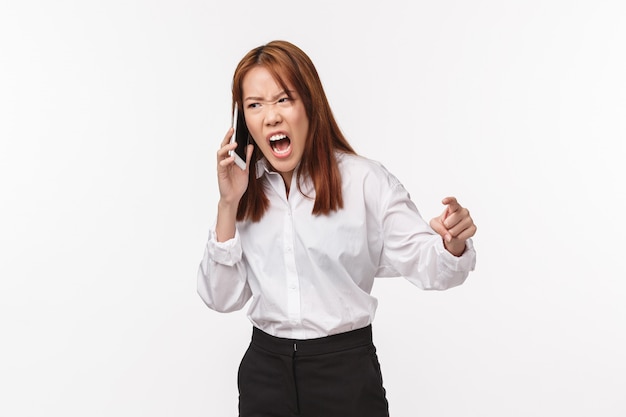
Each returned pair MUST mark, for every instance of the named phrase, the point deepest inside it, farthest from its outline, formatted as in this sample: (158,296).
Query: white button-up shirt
(311,276)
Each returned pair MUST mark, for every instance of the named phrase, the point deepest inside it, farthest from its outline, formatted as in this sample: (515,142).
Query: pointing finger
(452,204)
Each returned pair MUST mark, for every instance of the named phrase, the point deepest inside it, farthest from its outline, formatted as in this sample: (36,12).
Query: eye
(283,100)
(254,105)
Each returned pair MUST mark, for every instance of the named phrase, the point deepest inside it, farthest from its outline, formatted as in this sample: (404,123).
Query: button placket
(293,283)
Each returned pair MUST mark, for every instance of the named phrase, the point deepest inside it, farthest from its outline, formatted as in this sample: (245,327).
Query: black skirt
(334,376)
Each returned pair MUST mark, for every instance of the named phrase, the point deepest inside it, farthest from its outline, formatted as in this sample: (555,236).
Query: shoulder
(356,168)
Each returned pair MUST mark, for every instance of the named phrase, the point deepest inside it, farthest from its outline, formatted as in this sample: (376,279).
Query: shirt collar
(261,167)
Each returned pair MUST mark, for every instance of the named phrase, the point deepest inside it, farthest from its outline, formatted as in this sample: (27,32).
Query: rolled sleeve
(226,253)
(464,263)
(222,278)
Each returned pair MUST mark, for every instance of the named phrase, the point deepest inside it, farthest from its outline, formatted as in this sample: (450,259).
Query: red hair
(288,64)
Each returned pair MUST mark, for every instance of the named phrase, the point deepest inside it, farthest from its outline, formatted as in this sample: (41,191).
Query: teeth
(278,137)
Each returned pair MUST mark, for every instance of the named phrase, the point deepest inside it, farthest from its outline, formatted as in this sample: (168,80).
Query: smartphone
(240,135)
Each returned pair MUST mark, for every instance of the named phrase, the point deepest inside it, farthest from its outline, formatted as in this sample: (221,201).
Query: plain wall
(110,116)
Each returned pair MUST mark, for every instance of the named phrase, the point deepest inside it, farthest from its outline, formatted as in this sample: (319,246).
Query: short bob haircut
(289,65)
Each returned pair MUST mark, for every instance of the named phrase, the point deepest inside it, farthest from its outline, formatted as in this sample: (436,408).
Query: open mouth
(281,144)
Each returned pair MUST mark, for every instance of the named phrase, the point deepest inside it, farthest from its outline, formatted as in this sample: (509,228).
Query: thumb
(437,225)
(249,150)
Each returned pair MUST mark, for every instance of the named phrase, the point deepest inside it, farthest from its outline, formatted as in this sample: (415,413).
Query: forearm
(226,220)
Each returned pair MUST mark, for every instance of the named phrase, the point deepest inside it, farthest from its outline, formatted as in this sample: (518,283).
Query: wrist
(455,248)
(227,206)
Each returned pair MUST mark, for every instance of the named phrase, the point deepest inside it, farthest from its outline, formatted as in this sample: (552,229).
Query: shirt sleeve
(222,282)
(412,249)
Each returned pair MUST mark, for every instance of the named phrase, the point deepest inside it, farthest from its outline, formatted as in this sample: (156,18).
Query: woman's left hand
(454,225)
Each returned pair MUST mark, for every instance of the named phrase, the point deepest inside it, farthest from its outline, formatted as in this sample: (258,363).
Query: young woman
(301,233)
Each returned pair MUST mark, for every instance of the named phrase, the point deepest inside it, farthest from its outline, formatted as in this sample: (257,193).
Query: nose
(272,115)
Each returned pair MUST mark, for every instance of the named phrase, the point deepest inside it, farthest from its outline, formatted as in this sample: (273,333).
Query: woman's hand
(454,225)
(232,182)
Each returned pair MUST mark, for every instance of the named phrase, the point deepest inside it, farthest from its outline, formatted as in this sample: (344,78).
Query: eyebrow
(275,97)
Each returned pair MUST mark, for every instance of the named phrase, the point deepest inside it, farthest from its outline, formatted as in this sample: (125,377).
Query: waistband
(318,346)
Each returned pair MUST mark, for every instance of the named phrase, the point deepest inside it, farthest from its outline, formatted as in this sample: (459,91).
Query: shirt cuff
(225,253)
(464,263)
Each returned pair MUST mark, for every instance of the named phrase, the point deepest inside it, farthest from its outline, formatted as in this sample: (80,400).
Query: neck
(287,180)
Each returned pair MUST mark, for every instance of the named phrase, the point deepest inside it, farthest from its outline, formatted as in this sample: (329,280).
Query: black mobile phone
(241,137)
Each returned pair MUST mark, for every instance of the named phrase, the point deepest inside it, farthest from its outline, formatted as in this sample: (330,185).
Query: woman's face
(278,124)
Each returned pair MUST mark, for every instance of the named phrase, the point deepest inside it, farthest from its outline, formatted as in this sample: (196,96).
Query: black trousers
(334,376)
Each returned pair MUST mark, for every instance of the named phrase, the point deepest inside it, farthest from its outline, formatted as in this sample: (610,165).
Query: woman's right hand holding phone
(232,182)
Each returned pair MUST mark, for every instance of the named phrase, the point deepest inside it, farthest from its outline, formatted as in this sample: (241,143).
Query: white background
(110,116)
